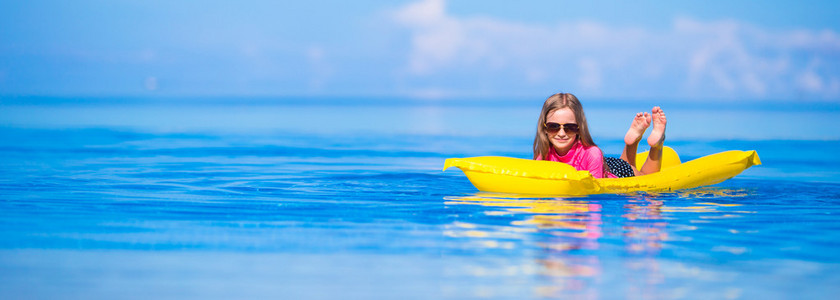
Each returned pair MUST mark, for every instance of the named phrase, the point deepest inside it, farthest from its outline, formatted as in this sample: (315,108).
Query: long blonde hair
(559,101)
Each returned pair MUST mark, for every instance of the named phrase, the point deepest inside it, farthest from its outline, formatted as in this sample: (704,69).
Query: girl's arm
(593,161)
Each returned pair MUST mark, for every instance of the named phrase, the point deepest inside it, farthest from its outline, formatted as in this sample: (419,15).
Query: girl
(563,136)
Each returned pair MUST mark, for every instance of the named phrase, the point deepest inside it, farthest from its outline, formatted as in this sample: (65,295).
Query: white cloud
(834,87)
(151,83)
(737,58)
(436,38)
(590,74)
(320,70)
(727,58)
(810,81)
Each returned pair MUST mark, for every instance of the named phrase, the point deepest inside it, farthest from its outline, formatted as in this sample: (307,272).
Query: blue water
(108,198)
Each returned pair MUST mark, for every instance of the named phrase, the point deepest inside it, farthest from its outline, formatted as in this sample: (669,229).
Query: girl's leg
(656,139)
(631,140)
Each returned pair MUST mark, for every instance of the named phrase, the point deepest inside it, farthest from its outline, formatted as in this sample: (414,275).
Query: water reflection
(565,232)
(644,227)
(577,240)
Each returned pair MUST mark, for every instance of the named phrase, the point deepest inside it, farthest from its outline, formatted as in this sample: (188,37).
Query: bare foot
(657,134)
(640,123)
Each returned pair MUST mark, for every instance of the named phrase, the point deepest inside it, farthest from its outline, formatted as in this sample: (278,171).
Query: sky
(436,49)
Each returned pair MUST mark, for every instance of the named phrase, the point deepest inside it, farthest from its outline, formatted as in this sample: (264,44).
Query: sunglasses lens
(552,127)
(555,127)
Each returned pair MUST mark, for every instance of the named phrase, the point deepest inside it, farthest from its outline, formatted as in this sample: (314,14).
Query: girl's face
(563,139)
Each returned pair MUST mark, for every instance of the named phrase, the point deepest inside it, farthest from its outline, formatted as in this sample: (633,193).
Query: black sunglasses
(552,127)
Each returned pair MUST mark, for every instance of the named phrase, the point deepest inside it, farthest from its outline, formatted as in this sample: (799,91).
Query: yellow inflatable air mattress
(525,176)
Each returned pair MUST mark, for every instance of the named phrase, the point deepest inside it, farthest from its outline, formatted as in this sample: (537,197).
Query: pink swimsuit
(583,159)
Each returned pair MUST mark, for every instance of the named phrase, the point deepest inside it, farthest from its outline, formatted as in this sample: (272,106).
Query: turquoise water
(114,198)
